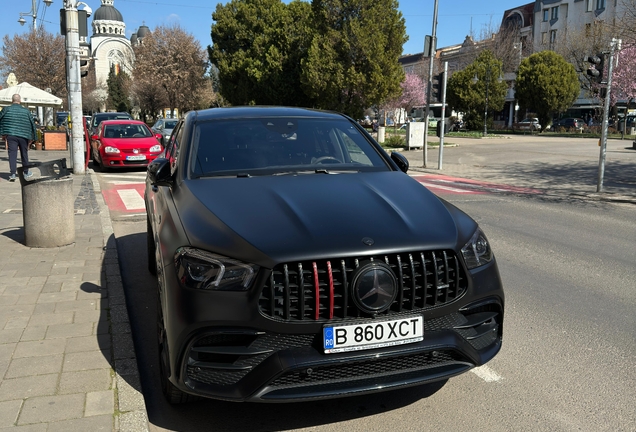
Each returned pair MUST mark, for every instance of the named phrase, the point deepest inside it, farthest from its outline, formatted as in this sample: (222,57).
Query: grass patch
(394,141)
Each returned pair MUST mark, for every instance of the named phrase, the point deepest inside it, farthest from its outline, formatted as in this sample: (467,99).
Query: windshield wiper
(315,171)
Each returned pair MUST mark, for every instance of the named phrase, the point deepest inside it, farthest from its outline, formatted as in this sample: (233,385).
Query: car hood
(284,218)
(130,143)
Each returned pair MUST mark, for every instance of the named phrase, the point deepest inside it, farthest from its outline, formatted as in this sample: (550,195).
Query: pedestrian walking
(19,131)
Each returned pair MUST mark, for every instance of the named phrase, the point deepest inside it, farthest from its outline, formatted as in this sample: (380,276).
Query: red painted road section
(454,185)
(439,184)
(114,201)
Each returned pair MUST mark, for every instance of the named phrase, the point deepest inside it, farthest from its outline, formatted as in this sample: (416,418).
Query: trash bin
(381,134)
(47,204)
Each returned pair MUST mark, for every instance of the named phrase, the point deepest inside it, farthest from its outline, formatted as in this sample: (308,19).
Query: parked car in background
(570,124)
(529,124)
(164,127)
(296,260)
(97,118)
(124,143)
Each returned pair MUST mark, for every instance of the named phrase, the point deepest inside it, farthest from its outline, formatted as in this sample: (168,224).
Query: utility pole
(614,46)
(74,85)
(441,133)
(430,83)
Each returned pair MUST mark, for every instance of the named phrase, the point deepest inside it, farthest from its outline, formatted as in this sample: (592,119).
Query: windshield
(114,116)
(126,131)
(266,146)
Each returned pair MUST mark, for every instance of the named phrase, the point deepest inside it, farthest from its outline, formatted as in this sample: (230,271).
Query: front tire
(172,394)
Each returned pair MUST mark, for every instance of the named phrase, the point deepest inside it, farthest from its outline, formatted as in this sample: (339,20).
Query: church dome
(107,12)
(143,31)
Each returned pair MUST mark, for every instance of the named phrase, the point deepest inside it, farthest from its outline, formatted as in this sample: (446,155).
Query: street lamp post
(33,13)
(488,79)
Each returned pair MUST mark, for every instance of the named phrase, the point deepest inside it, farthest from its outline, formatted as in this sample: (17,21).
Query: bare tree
(36,57)
(625,26)
(149,96)
(172,60)
(507,44)
(577,43)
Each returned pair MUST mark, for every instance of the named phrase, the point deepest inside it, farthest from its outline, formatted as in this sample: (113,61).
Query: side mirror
(159,137)
(159,172)
(401,161)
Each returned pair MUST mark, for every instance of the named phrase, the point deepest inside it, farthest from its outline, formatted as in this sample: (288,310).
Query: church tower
(109,45)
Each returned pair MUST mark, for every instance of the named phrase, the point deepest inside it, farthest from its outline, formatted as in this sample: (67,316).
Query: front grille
(320,290)
(367,369)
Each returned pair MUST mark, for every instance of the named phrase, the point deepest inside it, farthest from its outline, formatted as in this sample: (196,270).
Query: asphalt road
(569,356)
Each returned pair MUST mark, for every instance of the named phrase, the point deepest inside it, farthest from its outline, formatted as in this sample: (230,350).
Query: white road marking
(125,176)
(487,374)
(436,186)
(120,182)
(476,186)
(131,199)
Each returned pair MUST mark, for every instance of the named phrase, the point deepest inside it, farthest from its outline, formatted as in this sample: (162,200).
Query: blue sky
(195,16)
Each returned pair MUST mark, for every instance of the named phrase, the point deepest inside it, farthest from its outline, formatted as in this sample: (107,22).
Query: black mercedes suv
(296,260)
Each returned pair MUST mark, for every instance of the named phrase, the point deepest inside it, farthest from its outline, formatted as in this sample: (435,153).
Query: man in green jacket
(18,129)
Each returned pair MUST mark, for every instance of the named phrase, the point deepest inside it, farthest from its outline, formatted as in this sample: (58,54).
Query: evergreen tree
(118,84)
(257,47)
(352,62)
(546,84)
(467,95)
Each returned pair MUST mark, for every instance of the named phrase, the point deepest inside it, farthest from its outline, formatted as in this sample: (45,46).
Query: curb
(130,408)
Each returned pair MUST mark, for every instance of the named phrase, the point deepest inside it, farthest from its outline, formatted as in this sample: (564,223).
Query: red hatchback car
(124,143)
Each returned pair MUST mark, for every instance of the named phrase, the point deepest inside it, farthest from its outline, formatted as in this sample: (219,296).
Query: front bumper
(114,160)
(232,352)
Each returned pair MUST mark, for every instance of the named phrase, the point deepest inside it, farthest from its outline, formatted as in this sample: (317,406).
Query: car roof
(122,122)
(260,111)
(101,114)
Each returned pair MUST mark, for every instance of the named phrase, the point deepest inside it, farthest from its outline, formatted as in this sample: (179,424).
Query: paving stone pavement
(67,360)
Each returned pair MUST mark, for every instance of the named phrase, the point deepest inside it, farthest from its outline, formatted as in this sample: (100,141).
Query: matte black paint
(269,220)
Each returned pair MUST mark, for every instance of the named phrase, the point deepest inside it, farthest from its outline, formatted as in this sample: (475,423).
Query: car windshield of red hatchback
(126,131)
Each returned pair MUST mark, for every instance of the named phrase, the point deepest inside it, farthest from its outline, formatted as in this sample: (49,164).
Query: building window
(589,7)
(546,14)
(555,12)
(552,39)
(544,38)
(600,4)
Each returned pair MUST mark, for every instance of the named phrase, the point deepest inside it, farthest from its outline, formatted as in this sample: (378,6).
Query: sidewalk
(67,360)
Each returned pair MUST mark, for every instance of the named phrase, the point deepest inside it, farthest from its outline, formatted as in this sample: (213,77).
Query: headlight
(155,149)
(203,270)
(477,251)
(109,149)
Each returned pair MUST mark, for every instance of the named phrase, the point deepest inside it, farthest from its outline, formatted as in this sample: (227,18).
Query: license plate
(136,157)
(357,337)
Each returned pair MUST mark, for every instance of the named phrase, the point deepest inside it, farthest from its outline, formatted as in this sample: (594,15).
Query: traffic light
(597,63)
(437,89)
(83,67)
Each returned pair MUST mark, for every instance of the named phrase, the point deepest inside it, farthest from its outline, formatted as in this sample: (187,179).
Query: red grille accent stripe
(331,294)
(317,288)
